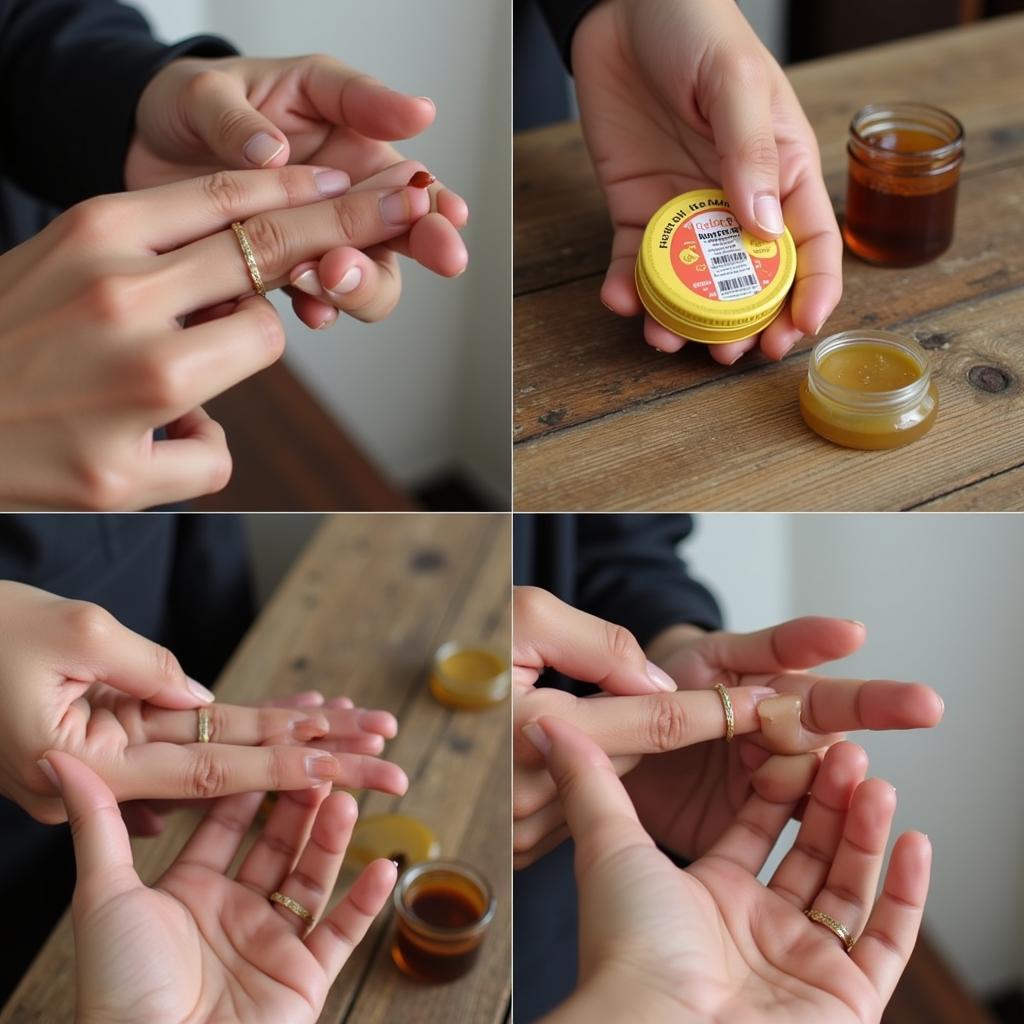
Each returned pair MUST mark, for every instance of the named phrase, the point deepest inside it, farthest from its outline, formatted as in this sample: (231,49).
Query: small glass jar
(469,677)
(869,389)
(904,167)
(444,909)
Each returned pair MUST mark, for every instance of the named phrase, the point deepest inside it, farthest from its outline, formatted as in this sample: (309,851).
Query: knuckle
(87,625)
(270,244)
(159,380)
(269,331)
(166,663)
(202,84)
(92,219)
(112,299)
(529,602)
(220,471)
(668,724)
(747,70)
(101,487)
(205,776)
(759,152)
(277,768)
(347,219)
(620,643)
(225,192)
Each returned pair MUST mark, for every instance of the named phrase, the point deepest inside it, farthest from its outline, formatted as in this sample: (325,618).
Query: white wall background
(428,389)
(941,596)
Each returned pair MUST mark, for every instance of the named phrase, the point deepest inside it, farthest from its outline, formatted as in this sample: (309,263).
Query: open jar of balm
(469,677)
(904,167)
(869,389)
(701,276)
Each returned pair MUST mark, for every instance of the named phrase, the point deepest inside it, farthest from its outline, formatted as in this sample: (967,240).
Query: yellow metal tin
(693,253)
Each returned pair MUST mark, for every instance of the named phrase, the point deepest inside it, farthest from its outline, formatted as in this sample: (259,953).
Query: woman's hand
(200,945)
(93,357)
(677,95)
(72,678)
(197,116)
(658,944)
(688,787)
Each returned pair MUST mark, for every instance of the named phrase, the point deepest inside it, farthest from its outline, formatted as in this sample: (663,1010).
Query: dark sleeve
(71,74)
(629,573)
(562,17)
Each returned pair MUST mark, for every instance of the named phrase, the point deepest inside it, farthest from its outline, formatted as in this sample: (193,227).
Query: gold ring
(293,905)
(250,258)
(204,725)
(730,721)
(840,931)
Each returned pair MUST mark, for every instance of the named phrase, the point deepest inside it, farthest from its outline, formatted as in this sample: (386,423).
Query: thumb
(103,853)
(740,115)
(219,111)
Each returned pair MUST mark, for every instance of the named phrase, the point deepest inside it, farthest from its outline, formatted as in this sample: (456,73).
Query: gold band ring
(730,721)
(840,931)
(293,905)
(250,258)
(204,725)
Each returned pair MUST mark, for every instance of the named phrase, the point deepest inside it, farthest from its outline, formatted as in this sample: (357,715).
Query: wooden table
(602,421)
(360,614)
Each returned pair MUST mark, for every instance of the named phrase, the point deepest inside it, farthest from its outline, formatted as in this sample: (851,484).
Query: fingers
(344,96)
(853,876)
(278,846)
(220,114)
(173,215)
(192,461)
(797,644)
(103,852)
(365,286)
(884,948)
(754,832)
(205,770)
(334,938)
(598,811)
(741,119)
(127,661)
(661,338)
(666,721)
(551,633)
(220,832)
(312,880)
(803,870)
(212,270)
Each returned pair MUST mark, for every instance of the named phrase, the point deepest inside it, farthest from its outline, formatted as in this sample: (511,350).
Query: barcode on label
(730,284)
(729,257)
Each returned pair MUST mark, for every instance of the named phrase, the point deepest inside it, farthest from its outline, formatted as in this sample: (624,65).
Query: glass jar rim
(447,867)
(921,115)
(896,400)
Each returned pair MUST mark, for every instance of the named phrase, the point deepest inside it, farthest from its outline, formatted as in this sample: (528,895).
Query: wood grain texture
(603,422)
(360,614)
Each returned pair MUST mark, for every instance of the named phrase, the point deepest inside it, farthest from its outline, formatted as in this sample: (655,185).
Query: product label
(715,258)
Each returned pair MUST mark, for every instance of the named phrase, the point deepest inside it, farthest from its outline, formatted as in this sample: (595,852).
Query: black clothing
(622,568)
(562,17)
(181,580)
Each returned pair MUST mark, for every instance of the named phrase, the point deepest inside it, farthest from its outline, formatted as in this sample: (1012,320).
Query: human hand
(686,798)
(72,678)
(677,95)
(198,116)
(93,358)
(645,954)
(200,945)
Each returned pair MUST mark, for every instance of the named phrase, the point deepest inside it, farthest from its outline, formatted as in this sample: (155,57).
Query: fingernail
(785,352)
(817,330)
(322,766)
(198,690)
(47,769)
(427,99)
(736,359)
(760,693)
(308,282)
(329,322)
(404,206)
(261,149)
(331,183)
(857,622)
(768,213)
(662,680)
(312,727)
(538,737)
(350,281)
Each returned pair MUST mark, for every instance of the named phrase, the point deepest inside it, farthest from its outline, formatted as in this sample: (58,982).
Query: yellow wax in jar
(469,677)
(869,367)
(471,666)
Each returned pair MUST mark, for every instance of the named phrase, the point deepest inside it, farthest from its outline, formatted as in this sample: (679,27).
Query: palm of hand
(232,949)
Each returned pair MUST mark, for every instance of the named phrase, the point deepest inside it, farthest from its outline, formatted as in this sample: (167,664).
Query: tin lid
(700,275)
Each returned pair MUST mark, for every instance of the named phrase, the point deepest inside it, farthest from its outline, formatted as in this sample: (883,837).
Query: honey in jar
(904,167)
(869,389)
(443,910)
(469,677)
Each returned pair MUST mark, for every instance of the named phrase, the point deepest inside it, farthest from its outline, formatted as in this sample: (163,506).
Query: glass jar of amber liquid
(869,389)
(904,166)
(469,677)
(443,908)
